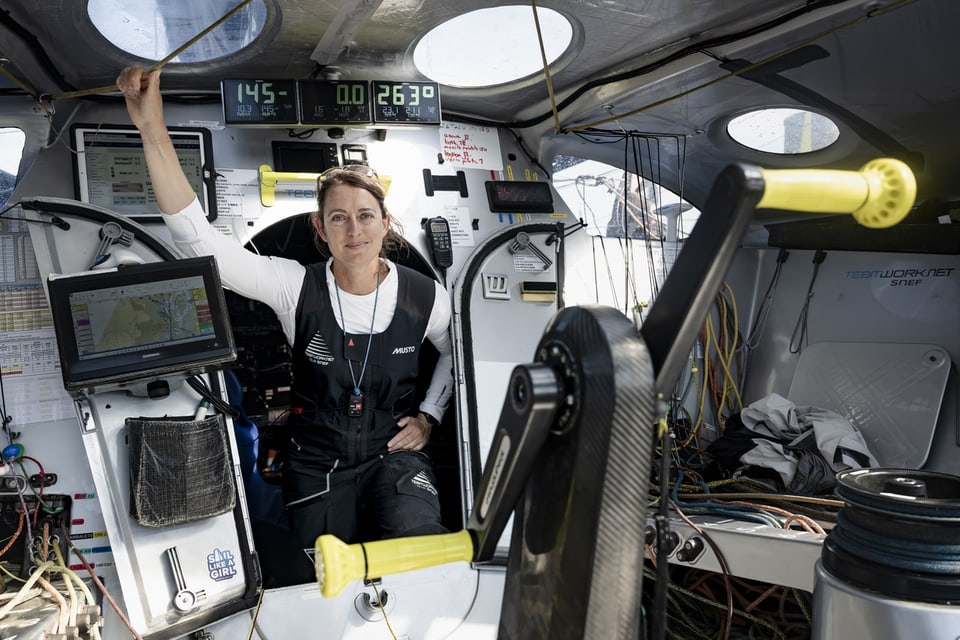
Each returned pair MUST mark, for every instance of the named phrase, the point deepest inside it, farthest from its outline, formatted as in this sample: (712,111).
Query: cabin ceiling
(883,70)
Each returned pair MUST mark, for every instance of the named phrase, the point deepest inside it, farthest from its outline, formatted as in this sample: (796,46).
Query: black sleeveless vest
(320,428)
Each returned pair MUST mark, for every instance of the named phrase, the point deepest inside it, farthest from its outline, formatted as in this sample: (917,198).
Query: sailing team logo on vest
(317,351)
(422,481)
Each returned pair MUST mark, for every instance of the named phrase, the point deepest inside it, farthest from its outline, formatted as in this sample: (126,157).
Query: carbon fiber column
(576,560)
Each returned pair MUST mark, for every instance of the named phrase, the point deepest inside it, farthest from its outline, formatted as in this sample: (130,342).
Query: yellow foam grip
(879,195)
(337,563)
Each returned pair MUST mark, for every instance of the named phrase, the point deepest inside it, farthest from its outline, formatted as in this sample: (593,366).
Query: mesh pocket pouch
(180,470)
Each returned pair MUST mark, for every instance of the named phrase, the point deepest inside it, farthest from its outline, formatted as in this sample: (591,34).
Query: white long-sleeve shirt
(277,282)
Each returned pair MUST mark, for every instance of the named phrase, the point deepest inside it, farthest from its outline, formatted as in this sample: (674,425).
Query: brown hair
(362,177)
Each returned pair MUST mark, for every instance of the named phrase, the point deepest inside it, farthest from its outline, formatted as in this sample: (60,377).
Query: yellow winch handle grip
(879,195)
(337,563)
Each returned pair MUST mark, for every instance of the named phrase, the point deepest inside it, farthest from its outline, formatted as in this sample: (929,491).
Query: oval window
(469,51)
(11,150)
(783,130)
(153,29)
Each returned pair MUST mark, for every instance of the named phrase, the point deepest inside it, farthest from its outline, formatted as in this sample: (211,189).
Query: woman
(355,324)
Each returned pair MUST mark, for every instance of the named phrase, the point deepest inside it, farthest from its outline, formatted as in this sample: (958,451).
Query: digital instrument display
(259,102)
(304,157)
(405,102)
(334,102)
(267,103)
(508,196)
(140,321)
(110,169)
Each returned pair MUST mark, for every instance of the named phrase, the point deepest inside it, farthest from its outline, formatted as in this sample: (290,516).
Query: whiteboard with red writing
(470,147)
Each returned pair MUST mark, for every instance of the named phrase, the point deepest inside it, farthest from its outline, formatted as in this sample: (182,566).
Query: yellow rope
(546,68)
(15,81)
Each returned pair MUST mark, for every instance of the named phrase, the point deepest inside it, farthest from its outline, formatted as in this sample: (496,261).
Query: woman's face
(352,225)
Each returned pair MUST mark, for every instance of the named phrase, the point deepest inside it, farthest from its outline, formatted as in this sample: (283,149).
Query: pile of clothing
(798,449)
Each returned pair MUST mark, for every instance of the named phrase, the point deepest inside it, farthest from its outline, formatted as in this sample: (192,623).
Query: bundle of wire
(685,602)
(696,608)
(752,501)
(78,613)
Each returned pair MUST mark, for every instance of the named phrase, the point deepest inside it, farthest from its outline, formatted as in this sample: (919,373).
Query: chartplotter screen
(140,321)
